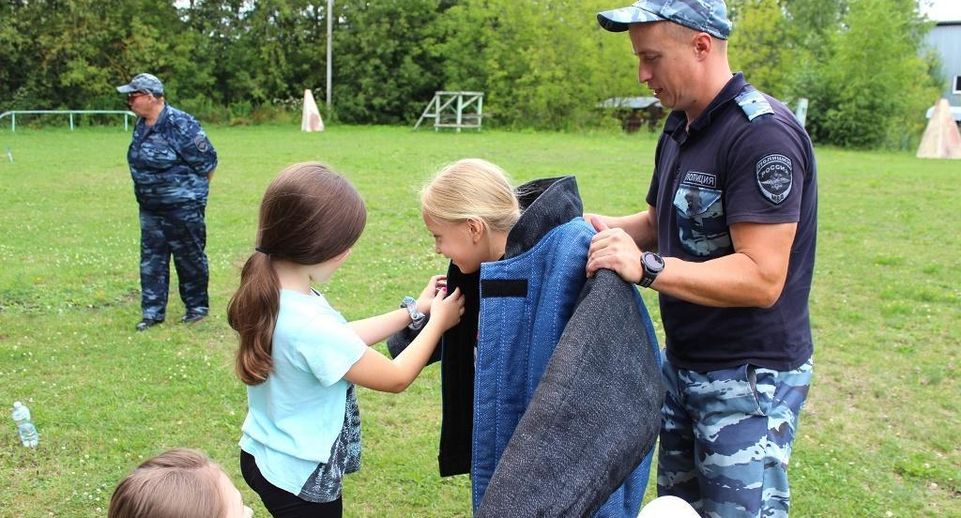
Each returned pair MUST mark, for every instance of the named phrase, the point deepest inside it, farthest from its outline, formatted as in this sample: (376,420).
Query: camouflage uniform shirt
(170,161)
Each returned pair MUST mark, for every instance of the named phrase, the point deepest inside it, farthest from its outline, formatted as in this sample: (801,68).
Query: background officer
(171,162)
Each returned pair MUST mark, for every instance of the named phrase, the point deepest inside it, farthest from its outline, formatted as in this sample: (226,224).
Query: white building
(945,38)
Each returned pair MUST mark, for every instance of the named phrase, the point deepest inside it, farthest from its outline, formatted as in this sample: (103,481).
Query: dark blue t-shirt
(744,159)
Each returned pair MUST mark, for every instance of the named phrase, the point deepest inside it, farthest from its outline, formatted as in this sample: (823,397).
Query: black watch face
(653,262)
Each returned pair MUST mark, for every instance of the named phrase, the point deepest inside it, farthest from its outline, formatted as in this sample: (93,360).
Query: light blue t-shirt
(295,417)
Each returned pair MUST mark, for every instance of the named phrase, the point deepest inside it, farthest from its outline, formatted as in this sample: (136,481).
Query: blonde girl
(523,280)
(469,208)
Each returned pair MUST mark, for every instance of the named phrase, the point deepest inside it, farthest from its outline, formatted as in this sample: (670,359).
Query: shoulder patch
(753,104)
(774,177)
(200,140)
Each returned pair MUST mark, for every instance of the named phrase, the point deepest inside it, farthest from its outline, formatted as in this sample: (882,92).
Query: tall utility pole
(330,47)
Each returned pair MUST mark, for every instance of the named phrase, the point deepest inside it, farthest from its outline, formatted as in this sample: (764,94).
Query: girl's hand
(434,285)
(446,310)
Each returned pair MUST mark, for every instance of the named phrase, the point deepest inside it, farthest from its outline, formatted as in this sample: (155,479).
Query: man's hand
(614,249)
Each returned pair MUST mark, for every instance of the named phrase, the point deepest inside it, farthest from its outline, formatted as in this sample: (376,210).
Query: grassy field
(879,436)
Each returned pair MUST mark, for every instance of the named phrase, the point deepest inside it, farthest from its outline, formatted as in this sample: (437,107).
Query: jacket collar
(546,203)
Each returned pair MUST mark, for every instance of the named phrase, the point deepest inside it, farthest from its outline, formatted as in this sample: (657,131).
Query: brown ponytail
(252,312)
(309,214)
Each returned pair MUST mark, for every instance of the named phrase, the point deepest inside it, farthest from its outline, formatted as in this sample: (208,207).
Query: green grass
(878,435)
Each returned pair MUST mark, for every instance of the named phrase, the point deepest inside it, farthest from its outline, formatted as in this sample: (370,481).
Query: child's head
(309,215)
(177,483)
(464,205)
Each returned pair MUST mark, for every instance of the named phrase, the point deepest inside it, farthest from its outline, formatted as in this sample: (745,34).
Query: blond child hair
(471,188)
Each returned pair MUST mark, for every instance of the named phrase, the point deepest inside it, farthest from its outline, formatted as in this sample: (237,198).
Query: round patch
(202,143)
(774,177)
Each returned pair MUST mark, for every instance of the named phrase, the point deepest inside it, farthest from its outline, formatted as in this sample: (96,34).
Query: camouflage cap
(143,83)
(709,16)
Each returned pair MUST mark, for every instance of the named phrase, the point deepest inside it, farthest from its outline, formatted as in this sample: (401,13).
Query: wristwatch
(416,317)
(651,265)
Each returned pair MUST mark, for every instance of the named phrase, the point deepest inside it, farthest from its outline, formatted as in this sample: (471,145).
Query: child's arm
(375,371)
(376,329)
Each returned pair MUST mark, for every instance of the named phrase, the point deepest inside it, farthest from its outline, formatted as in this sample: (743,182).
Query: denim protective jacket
(560,414)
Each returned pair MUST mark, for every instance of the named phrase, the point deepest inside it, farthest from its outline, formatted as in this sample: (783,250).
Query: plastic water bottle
(28,432)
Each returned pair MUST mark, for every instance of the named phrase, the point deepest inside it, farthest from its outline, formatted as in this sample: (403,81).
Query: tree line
(542,64)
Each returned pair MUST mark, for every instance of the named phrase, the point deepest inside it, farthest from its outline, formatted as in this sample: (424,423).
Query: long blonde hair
(471,188)
(178,482)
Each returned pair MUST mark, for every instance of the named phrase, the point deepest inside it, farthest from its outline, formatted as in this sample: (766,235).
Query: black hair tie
(261,250)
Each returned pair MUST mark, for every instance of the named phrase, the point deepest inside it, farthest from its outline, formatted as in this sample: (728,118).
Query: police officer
(171,162)
(728,242)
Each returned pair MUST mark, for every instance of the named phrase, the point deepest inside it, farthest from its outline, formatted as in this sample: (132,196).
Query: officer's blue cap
(143,83)
(708,16)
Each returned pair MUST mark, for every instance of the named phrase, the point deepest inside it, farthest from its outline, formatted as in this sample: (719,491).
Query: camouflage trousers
(726,438)
(183,234)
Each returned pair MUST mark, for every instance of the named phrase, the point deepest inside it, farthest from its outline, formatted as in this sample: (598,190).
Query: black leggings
(280,503)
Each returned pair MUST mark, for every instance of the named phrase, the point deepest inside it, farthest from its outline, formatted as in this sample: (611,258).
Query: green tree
(71,53)
(876,84)
(15,56)
(287,40)
(761,46)
(386,64)
(222,52)
(813,22)
(542,64)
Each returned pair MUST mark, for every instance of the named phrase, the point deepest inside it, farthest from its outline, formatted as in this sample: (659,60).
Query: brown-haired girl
(300,358)
(178,482)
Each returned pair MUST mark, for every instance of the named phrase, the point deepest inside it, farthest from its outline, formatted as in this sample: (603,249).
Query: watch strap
(646,280)
(416,317)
